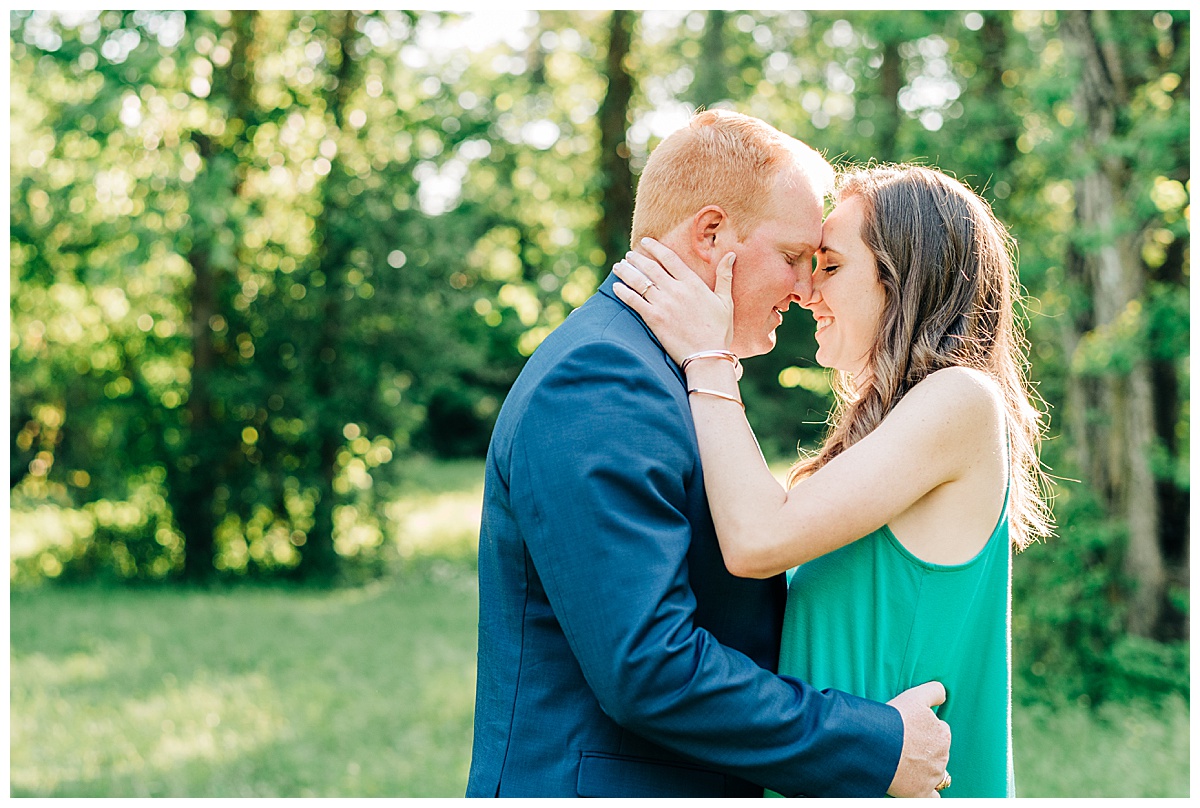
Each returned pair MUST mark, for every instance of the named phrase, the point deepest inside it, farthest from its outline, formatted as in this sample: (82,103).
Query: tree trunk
(994,41)
(319,559)
(1117,280)
(197,475)
(712,69)
(616,178)
(200,469)
(1077,397)
(891,79)
(1164,372)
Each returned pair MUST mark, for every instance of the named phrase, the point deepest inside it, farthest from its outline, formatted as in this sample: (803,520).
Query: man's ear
(707,222)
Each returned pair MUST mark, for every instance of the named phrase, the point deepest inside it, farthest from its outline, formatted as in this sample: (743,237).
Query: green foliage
(131,538)
(1168,322)
(259,259)
(1068,623)
(1149,669)
(1066,605)
(325,332)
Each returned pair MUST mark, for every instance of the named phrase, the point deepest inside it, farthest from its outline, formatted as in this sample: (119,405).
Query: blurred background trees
(256,257)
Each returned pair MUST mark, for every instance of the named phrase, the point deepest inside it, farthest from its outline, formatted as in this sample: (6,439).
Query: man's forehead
(799,246)
(802,233)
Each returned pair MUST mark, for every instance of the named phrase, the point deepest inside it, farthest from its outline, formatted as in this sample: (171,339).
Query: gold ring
(944,784)
(649,286)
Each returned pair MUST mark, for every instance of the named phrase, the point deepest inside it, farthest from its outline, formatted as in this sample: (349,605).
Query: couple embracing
(638,636)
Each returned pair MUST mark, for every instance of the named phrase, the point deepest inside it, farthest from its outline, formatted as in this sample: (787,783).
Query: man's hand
(926,748)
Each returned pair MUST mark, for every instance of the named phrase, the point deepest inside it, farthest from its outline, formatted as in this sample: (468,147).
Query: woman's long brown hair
(948,270)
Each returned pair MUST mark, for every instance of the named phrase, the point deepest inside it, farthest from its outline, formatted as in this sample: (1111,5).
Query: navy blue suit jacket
(617,656)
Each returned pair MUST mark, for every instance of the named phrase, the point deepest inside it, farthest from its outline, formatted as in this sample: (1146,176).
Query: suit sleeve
(599,466)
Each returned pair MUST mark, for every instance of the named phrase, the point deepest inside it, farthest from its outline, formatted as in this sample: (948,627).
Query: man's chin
(758,348)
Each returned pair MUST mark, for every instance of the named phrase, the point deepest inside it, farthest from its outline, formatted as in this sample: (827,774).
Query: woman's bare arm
(927,440)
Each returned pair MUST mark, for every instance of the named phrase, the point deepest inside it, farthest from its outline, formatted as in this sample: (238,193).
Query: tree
(198,472)
(712,68)
(257,255)
(616,178)
(318,560)
(1118,451)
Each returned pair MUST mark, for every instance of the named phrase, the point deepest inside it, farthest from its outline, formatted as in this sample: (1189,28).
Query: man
(617,655)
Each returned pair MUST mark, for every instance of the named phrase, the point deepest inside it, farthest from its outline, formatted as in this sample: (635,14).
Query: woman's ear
(707,222)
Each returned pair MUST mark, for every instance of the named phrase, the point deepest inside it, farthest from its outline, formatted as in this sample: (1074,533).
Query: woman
(902,523)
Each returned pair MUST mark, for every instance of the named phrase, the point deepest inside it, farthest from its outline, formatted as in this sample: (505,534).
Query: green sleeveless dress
(872,619)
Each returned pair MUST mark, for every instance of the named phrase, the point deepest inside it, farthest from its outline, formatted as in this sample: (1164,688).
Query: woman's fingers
(671,263)
(649,267)
(633,277)
(631,299)
(683,312)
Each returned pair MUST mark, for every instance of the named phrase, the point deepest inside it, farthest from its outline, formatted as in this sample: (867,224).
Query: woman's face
(847,299)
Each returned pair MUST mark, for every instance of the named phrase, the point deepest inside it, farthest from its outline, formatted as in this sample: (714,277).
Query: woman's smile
(845,281)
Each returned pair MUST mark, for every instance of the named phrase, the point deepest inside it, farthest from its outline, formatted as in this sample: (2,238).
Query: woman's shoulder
(961,396)
(964,381)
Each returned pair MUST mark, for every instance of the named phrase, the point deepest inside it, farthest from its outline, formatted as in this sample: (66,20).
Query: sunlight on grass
(363,692)
(440,508)
(438,524)
(212,720)
(438,513)
(138,738)
(245,692)
(70,670)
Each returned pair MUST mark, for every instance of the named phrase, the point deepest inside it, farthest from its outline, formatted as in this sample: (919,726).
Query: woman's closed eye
(830,268)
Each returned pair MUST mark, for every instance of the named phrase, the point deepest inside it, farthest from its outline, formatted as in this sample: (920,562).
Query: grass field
(259,691)
(367,692)
(244,693)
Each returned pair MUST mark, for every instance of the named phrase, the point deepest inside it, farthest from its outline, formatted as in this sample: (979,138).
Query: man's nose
(804,289)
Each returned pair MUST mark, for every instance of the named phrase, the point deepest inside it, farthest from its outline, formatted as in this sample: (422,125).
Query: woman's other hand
(685,315)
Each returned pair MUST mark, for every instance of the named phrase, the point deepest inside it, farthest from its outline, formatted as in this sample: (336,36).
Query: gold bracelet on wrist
(717,394)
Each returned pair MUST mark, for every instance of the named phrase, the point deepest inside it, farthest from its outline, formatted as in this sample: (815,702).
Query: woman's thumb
(724,284)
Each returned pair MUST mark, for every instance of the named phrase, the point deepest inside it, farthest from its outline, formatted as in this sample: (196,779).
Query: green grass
(244,693)
(1117,750)
(366,692)
(269,691)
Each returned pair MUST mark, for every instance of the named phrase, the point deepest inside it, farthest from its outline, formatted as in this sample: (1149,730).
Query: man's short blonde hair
(721,158)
